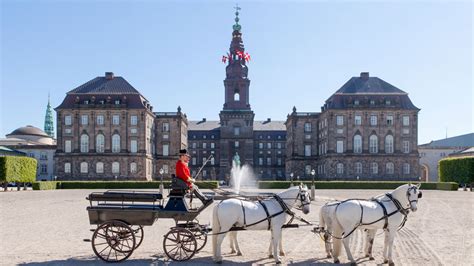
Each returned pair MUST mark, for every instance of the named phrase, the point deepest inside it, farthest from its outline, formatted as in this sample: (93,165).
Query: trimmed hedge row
(460,170)
(17,169)
(356,185)
(45,185)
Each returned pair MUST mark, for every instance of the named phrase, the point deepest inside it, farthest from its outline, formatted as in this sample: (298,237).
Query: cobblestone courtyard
(48,228)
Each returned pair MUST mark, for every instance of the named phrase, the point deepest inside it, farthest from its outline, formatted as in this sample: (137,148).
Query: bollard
(313,194)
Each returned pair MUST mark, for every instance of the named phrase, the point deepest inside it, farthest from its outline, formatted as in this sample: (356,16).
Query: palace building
(366,130)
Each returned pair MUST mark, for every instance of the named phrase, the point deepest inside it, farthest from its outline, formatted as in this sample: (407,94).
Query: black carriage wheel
(201,239)
(138,232)
(179,244)
(113,241)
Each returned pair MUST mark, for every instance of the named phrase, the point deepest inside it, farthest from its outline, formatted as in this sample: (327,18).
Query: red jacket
(182,172)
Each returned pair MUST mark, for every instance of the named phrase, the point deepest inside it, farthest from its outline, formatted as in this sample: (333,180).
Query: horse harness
(398,205)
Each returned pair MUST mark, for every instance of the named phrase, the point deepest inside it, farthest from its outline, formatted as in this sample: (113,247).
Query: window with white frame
(213,145)
(307,150)
(133,120)
(116,143)
(307,127)
(269,161)
(389,120)
(99,168)
(279,145)
(260,161)
(340,168)
(133,168)
(204,145)
(84,168)
(339,146)
(100,119)
(357,144)
(389,144)
(279,161)
(133,131)
(374,168)
(236,131)
(307,170)
(166,127)
(339,120)
(84,143)
(100,143)
(373,120)
(373,144)
(269,145)
(260,145)
(84,120)
(116,120)
(406,168)
(44,168)
(67,168)
(193,161)
(236,144)
(133,146)
(389,168)
(406,146)
(194,145)
(358,168)
(166,169)
(213,161)
(67,120)
(358,120)
(115,168)
(166,149)
(406,120)
(406,131)
(67,146)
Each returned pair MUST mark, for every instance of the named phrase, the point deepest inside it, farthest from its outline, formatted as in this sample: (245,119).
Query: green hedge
(113,185)
(355,185)
(460,170)
(17,169)
(44,185)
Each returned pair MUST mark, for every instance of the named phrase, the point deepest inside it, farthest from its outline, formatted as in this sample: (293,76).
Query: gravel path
(48,228)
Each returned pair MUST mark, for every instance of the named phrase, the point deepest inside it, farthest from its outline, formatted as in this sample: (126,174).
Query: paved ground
(48,228)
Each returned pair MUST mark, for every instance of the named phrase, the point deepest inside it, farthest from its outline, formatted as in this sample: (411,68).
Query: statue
(236,159)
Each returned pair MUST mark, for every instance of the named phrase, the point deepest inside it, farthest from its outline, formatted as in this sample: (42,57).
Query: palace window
(389,120)
(340,168)
(133,145)
(166,149)
(133,120)
(406,146)
(116,143)
(358,120)
(406,168)
(67,120)
(67,146)
(339,146)
(166,127)
(99,168)
(116,120)
(374,168)
(307,127)
(84,120)
(67,168)
(358,168)
(84,143)
(307,150)
(133,168)
(373,120)
(389,168)
(100,143)
(406,120)
(389,144)
(115,168)
(100,120)
(339,120)
(84,168)
(357,144)
(373,144)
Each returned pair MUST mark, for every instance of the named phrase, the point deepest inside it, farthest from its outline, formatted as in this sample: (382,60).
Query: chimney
(364,75)
(109,75)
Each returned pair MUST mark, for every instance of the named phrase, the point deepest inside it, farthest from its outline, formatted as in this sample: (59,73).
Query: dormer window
(86,102)
(356,102)
(117,102)
(372,102)
(387,102)
(101,101)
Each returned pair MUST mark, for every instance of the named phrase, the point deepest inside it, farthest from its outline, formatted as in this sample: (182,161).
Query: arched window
(99,168)
(373,144)
(84,168)
(358,168)
(133,168)
(374,167)
(236,97)
(389,168)
(116,143)
(100,143)
(357,144)
(115,168)
(84,143)
(406,168)
(67,168)
(389,144)
(340,168)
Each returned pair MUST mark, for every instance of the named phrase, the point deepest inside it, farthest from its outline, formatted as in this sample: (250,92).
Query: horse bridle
(408,195)
(302,198)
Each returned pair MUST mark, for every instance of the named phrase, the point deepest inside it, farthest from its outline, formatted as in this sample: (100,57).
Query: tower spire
(48,120)
(236,26)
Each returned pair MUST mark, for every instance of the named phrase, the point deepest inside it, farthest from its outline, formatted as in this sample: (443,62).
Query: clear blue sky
(302,52)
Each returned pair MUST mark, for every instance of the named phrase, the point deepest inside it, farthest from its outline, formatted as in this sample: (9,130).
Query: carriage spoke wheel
(179,244)
(138,232)
(113,241)
(201,239)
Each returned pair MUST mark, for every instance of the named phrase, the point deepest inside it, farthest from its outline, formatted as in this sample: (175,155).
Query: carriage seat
(178,187)
(125,196)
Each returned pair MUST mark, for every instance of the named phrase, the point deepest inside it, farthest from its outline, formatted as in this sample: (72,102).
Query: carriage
(121,215)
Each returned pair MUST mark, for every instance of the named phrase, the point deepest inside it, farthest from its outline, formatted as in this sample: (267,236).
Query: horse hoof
(282,254)
(239,253)
(277,262)
(328,256)
(391,263)
(371,258)
(218,262)
(385,261)
(353,264)
(336,261)
(270,256)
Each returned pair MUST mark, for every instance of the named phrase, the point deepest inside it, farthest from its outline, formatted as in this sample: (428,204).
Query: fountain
(241,176)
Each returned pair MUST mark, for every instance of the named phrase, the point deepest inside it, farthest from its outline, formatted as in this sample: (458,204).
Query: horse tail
(216,228)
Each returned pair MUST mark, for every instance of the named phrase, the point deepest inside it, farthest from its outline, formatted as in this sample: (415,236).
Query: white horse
(267,214)
(326,225)
(388,212)
(235,248)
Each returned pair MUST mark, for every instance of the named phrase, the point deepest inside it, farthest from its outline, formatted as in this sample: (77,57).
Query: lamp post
(312,184)
(291,179)
(161,183)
